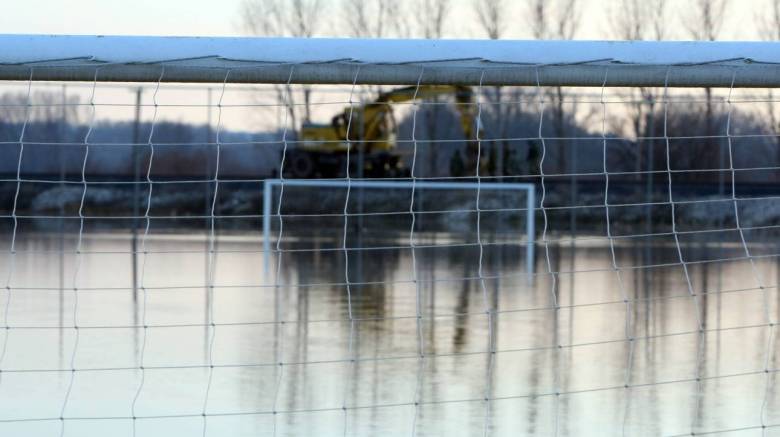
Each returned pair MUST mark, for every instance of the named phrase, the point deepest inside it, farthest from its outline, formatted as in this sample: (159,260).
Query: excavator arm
(371,126)
(371,116)
(467,110)
(464,101)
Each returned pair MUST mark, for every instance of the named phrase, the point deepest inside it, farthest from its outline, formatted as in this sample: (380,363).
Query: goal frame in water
(528,188)
(604,65)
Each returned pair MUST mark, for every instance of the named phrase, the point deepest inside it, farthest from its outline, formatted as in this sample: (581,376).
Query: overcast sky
(221,17)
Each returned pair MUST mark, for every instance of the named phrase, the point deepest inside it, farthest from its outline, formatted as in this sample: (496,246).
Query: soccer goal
(527,197)
(248,236)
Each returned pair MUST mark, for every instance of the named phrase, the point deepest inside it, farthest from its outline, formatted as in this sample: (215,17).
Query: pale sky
(221,17)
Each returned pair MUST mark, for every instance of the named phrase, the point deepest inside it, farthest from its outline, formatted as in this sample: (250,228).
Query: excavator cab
(366,134)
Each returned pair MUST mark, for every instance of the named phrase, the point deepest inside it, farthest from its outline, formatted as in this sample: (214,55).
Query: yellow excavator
(368,132)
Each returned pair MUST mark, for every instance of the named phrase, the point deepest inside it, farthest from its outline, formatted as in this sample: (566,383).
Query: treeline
(572,145)
(703,145)
(181,150)
(700,145)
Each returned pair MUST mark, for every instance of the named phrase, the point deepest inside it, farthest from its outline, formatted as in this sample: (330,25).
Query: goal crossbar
(397,61)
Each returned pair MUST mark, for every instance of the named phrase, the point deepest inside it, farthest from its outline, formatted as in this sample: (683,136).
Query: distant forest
(573,144)
(638,137)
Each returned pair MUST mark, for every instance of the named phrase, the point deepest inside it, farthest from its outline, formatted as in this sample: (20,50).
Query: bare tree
(491,15)
(374,18)
(636,20)
(769,23)
(705,23)
(566,19)
(537,18)
(557,19)
(297,18)
(430,17)
(769,30)
(627,20)
(44,108)
(706,19)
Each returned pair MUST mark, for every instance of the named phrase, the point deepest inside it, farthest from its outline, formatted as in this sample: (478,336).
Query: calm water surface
(347,334)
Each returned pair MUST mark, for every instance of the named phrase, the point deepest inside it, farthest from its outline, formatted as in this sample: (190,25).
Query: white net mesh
(390,259)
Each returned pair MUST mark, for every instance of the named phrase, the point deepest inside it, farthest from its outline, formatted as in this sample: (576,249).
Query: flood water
(394,341)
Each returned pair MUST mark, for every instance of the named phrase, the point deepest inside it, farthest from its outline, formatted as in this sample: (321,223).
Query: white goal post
(528,189)
(134,219)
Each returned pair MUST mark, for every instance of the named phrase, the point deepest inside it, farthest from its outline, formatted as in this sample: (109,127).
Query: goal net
(230,236)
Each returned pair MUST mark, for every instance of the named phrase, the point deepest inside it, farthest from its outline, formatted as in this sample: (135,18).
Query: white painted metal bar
(388,61)
(528,188)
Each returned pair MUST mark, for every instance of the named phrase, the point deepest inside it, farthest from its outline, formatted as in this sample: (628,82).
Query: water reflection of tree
(315,262)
